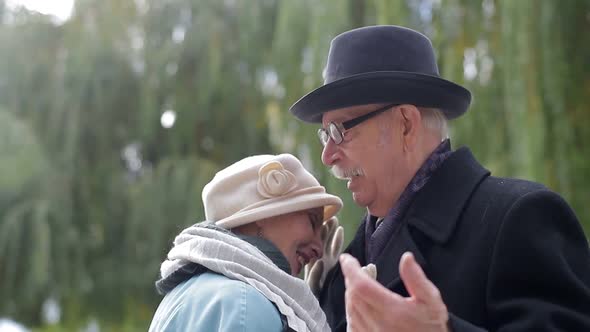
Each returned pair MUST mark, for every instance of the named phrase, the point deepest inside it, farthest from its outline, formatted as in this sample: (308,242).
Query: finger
(357,317)
(364,289)
(325,231)
(337,242)
(314,277)
(332,226)
(350,268)
(360,315)
(416,282)
(354,277)
(333,222)
(371,270)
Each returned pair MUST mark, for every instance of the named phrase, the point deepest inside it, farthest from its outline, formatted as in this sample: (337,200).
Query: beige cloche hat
(264,186)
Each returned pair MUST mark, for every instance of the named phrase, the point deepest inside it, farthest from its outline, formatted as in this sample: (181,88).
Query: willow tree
(94,187)
(118,185)
(530,74)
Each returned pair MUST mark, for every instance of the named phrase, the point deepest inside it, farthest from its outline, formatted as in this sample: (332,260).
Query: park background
(113,120)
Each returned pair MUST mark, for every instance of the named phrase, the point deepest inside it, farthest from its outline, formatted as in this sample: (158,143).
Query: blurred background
(115,113)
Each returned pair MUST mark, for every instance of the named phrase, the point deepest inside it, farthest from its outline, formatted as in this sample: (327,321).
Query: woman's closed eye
(315,219)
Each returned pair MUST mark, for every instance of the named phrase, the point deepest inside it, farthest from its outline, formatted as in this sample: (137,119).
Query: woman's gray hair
(435,120)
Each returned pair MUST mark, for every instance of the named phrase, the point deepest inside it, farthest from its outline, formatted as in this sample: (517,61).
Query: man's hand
(372,307)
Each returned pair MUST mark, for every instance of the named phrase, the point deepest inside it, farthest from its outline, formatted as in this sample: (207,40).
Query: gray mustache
(344,174)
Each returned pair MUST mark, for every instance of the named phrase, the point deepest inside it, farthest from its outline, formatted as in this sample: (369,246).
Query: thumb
(351,269)
(314,277)
(349,264)
(416,282)
(337,242)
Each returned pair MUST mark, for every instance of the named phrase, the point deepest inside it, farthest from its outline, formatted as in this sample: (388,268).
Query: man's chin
(359,200)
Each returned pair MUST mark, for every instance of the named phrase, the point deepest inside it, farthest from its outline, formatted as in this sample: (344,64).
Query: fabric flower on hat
(274,180)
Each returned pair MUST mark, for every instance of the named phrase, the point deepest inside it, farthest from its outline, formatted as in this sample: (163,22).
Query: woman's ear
(251,229)
(260,225)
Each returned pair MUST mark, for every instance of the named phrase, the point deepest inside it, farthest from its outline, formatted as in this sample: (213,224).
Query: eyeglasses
(336,130)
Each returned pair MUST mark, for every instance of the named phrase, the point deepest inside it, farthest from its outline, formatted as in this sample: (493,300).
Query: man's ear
(411,121)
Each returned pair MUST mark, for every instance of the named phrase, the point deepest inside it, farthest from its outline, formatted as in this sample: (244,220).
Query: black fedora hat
(382,64)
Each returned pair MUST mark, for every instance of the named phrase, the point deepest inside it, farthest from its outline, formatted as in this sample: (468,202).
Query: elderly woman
(236,271)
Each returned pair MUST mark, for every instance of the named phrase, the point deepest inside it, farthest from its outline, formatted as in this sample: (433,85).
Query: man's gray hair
(435,120)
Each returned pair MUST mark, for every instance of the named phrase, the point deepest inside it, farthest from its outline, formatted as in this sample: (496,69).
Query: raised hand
(372,307)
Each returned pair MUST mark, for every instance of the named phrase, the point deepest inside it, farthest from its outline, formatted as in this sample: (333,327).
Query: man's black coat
(506,254)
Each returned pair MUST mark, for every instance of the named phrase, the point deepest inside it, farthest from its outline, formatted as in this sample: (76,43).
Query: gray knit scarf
(224,253)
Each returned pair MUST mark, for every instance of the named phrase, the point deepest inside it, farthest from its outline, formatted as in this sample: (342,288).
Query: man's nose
(329,153)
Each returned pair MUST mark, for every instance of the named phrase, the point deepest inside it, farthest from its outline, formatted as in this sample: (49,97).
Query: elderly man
(456,249)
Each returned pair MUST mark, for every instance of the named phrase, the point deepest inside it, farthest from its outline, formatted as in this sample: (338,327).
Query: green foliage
(93,189)
(21,156)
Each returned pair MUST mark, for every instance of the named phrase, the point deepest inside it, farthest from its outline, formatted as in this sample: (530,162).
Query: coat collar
(436,209)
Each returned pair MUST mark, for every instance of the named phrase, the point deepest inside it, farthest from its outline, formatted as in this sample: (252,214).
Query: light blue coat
(213,302)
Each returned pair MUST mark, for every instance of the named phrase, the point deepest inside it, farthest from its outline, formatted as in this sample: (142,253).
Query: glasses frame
(336,130)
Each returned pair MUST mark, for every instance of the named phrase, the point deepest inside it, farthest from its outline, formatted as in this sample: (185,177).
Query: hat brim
(384,87)
(332,204)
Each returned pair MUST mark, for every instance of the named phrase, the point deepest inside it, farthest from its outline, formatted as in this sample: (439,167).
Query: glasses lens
(335,133)
(323,135)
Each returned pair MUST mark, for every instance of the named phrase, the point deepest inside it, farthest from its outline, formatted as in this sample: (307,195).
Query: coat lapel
(388,262)
(357,246)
